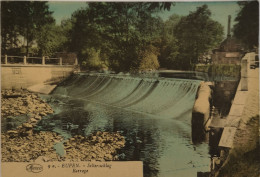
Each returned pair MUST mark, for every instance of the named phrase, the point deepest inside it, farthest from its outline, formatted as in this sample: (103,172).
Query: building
(230,50)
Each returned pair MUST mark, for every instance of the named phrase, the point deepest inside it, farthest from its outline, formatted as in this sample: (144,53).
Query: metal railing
(32,60)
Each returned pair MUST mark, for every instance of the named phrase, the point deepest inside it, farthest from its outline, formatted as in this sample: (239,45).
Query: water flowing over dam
(152,113)
(161,97)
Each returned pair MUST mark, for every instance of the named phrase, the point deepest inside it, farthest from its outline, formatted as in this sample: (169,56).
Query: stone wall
(226,58)
(17,76)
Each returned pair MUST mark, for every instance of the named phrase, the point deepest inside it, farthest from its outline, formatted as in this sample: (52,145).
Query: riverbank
(23,144)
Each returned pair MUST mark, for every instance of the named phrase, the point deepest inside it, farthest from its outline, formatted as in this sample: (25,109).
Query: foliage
(247,27)
(23,18)
(197,33)
(118,30)
(93,61)
(122,36)
(168,44)
(50,39)
(9,31)
(148,58)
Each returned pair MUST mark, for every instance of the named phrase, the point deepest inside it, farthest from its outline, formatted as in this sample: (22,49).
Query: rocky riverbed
(99,146)
(23,144)
(20,102)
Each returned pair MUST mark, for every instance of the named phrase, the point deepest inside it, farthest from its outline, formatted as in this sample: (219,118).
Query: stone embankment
(243,157)
(17,148)
(23,144)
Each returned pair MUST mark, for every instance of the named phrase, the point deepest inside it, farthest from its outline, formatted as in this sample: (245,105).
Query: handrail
(43,58)
(14,56)
(34,57)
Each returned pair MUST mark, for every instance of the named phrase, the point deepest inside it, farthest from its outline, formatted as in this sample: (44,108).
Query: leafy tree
(197,33)
(50,39)
(32,16)
(169,49)
(9,27)
(247,27)
(120,31)
(149,59)
(161,5)
(23,18)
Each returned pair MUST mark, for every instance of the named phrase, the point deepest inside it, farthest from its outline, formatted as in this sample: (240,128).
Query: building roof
(230,44)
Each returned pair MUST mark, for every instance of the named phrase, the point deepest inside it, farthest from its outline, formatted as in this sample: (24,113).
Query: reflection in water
(164,145)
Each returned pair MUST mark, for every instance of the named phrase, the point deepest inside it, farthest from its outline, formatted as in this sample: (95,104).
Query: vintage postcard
(129,88)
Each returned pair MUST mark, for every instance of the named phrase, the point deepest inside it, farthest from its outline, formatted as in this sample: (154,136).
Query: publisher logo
(34,168)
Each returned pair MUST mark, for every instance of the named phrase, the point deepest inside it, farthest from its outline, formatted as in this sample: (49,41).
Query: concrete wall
(201,112)
(18,76)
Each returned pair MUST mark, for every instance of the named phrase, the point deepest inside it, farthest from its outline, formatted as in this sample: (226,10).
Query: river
(154,116)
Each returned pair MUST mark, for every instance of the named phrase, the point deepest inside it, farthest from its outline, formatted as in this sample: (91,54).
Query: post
(43,60)
(244,80)
(228,32)
(6,59)
(24,60)
(76,61)
(60,61)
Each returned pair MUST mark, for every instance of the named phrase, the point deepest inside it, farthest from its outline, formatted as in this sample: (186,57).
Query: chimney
(229,21)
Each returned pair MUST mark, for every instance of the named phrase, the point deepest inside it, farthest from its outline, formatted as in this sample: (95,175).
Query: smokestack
(229,21)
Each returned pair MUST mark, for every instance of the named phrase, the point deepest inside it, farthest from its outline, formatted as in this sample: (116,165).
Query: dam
(153,114)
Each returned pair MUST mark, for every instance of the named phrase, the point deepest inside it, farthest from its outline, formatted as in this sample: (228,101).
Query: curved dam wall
(170,98)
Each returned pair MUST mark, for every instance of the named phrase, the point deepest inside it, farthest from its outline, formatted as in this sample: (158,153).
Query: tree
(50,39)
(24,18)
(169,49)
(196,34)
(148,58)
(119,31)
(247,27)
(32,16)
(9,26)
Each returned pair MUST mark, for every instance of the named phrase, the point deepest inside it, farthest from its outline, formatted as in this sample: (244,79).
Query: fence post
(24,60)
(244,81)
(60,61)
(76,61)
(43,60)
(6,59)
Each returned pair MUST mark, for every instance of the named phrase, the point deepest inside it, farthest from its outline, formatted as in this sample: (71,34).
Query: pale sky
(219,10)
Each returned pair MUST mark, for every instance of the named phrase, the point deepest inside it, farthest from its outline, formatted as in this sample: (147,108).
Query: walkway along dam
(157,116)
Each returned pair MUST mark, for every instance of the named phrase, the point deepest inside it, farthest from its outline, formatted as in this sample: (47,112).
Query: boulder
(43,114)
(33,121)
(37,117)
(27,125)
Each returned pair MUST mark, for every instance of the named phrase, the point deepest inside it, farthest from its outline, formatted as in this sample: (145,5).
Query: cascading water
(154,115)
(165,97)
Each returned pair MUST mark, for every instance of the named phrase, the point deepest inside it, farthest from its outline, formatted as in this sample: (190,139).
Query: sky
(219,10)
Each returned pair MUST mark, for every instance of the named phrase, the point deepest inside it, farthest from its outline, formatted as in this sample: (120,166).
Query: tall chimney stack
(229,21)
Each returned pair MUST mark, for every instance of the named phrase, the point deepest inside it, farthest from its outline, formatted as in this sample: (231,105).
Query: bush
(149,59)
